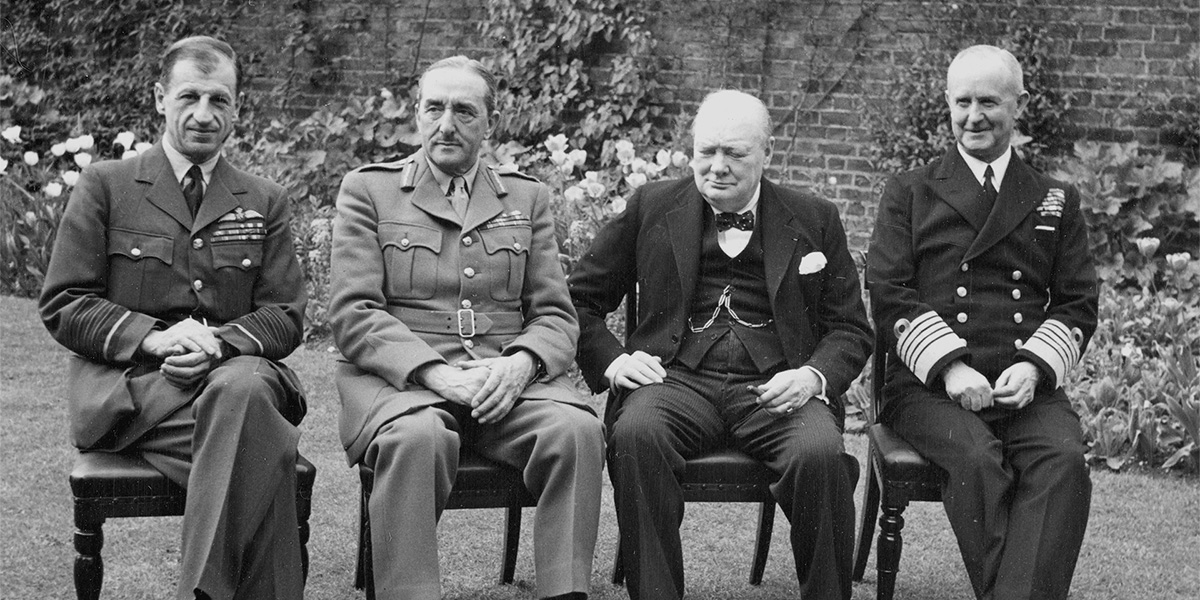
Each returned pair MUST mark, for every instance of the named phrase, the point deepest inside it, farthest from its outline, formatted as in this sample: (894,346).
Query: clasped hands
(189,349)
(1014,388)
(490,386)
(785,392)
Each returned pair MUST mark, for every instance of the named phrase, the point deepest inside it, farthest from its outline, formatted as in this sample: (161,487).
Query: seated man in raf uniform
(174,282)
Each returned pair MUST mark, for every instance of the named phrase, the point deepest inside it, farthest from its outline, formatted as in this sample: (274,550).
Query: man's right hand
(184,337)
(967,386)
(455,384)
(632,371)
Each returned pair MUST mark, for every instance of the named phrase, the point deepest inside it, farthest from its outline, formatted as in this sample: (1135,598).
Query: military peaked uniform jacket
(129,258)
(949,281)
(654,247)
(414,284)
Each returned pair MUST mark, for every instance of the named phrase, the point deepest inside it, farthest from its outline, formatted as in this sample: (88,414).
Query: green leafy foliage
(1141,209)
(1137,390)
(547,50)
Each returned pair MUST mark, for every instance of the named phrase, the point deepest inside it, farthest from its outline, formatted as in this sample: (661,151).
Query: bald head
(734,107)
(985,57)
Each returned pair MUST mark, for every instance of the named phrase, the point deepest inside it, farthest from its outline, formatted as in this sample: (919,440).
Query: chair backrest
(879,360)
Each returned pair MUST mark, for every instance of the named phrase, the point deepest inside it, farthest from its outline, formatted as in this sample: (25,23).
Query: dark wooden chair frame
(897,475)
(479,483)
(115,485)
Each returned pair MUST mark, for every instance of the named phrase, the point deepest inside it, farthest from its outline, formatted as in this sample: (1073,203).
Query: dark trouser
(1018,490)
(659,426)
(234,449)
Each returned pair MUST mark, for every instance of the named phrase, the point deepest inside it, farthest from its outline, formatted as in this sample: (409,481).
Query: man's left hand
(1015,386)
(185,369)
(510,375)
(787,391)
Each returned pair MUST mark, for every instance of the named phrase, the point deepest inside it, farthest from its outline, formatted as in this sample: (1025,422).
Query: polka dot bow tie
(743,221)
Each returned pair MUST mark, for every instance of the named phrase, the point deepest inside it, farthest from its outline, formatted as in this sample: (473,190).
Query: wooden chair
(896,476)
(110,485)
(479,483)
(727,475)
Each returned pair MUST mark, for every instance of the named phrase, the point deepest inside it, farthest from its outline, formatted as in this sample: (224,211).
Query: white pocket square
(811,263)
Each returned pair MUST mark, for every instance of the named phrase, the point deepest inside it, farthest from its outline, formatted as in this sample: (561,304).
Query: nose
(719,164)
(446,122)
(203,112)
(975,113)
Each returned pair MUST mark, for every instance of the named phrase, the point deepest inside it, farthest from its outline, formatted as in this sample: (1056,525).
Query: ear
(493,120)
(1022,101)
(160,94)
(769,149)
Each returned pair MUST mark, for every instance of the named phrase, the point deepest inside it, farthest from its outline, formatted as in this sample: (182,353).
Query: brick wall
(818,64)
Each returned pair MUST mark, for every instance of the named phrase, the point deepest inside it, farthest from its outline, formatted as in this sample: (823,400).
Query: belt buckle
(470,314)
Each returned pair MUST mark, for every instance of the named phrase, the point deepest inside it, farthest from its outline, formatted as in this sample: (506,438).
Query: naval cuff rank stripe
(112,332)
(922,343)
(257,342)
(1057,346)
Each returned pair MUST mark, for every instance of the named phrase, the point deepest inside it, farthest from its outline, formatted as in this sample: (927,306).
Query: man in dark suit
(979,270)
(750,326)
(450,308)
(174,282)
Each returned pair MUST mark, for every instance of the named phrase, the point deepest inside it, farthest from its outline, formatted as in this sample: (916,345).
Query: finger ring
(790,409)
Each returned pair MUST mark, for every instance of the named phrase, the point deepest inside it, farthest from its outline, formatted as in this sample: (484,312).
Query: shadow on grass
(1142,542)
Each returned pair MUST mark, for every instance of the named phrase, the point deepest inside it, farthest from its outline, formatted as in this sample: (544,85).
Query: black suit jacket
(655,245)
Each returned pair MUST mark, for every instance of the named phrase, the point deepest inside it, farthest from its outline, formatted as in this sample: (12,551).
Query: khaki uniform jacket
(413,284)
(129,258)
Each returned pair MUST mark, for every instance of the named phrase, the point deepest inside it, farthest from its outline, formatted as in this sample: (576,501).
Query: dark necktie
(743,221)
(989,190)
(193,189)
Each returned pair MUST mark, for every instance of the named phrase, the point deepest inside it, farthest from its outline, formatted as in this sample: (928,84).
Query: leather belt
(464,323)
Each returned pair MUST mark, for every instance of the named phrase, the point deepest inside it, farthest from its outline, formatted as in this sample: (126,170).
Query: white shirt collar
(443,178)
(999,166)
(750,206)
(180,163)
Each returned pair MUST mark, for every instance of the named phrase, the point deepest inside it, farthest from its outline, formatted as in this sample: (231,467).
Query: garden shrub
(1141,209)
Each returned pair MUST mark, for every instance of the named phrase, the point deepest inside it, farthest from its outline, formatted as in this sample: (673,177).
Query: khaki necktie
(193,189)
(459,196)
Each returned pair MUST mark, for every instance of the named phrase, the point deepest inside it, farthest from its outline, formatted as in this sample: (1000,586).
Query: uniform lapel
(427,195)
(220,197)
(685,224)
(956,185)
(1018,197)
(164,192)
(485,201)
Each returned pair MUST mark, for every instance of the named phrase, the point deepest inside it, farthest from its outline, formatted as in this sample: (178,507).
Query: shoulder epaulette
(395,165)
(511,170)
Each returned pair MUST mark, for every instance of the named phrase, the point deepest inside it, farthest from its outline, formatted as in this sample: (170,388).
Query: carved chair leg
(862,546)
(891,543)
(618,577)
(512,538)
(89,567)
(762,542)
(303,512)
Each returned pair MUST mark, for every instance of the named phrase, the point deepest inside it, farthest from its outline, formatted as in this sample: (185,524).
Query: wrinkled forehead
(728,129)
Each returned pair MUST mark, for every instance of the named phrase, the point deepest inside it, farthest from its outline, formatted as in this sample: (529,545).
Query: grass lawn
(1142,543)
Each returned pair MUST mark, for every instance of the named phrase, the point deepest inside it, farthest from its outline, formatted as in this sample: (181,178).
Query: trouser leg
(1050,504)
(979,482)
(415,459)
(656,429)
(238,464)
(559,449)
(815,490)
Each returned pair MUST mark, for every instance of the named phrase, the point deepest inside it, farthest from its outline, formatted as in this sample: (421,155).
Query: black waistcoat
(745,275)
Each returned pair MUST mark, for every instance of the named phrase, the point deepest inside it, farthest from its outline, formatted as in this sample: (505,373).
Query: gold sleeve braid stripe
(923,342)
(1057,345)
